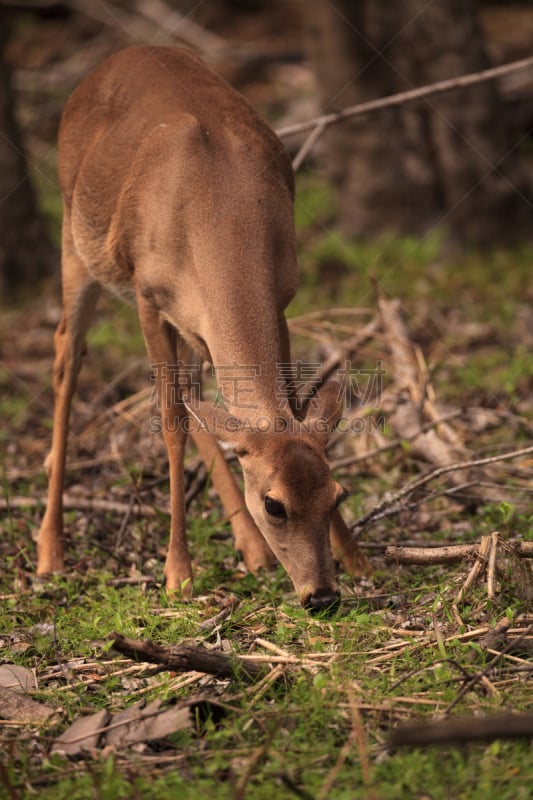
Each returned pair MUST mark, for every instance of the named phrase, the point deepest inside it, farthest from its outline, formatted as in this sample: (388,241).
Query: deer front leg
(160,344)
(248,539)
(178,570)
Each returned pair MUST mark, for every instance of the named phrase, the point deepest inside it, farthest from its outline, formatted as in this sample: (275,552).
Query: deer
(178,197)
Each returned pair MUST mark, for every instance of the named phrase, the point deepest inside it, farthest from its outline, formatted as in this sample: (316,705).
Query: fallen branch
(181,658)
(464,730)
(85,504)
(448,554)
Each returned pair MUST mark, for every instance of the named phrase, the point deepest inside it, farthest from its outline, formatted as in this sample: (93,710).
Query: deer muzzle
(323,601)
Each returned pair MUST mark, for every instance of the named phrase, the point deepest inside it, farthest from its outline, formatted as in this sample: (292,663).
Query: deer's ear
(227,429)
(326,407)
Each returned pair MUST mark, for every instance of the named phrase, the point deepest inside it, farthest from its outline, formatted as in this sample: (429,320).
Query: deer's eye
(341,497)
(274,508)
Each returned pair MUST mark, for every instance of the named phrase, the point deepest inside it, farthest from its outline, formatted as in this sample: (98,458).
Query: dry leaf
(147,724)
(82,735)
(20,679)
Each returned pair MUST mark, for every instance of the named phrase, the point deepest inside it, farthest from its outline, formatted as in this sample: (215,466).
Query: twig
(411,506)
(198,484)
(259,689)
(349,347)
(308,145)
(133,581)
(418,670)
(440,447)
(110,387)
(180,26)
(273,647)
(391,499)
(401,98)
(125,519)
(502,635)
(246,774)
(213,622)
(331,777)
(361,741)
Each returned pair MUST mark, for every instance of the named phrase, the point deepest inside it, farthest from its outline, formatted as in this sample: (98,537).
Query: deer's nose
(322,602)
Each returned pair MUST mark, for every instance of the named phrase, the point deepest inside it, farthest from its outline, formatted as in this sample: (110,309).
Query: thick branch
(181,658)
(464,730)
(448,554)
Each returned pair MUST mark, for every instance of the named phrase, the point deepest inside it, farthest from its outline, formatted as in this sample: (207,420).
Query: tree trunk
(26,254)
(447,162)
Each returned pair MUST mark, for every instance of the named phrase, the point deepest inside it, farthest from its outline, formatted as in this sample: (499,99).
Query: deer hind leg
(80,294)
(160,339)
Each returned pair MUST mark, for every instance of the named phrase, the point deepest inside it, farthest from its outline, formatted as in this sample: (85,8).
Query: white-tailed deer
(178,196)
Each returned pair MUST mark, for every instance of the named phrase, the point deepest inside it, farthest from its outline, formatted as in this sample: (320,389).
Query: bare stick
(180,26)
(348,461)
(448,554)
(401,98)
(411,374)
(491,566)
(229,605)
(307,146)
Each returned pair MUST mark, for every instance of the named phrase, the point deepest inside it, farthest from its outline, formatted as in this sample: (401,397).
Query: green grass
(302,723)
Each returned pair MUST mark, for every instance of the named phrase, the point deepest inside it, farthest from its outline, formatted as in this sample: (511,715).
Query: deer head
(288,488)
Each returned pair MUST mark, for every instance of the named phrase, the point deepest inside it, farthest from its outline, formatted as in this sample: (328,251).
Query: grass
(299,728)
(394,652)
